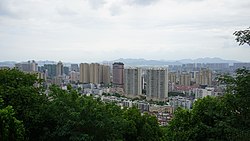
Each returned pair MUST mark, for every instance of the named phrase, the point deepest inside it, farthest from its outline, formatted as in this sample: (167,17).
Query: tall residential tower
(118,74)
(59,69)
(84,73)
(157,84)
(133,82)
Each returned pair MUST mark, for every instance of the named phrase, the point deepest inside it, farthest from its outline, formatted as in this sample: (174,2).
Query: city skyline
(97,30)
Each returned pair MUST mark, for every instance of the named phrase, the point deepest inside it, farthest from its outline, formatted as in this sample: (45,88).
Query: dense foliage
(216,118)
(27,112)
(30,113)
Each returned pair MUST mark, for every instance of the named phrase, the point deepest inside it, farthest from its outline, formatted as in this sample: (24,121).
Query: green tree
(243,36)
(11,129)
(64,115)
(70,116)
(17,90)
(216,118)
(237,103)
(141,127)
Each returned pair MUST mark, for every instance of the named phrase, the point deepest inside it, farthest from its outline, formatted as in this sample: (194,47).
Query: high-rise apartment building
(50,70)
(59,69)
(133,82)
(104,74)
(172,77)
(33,66)
(185,79)
(84,73)
(204,77)
(157,84)
(118,74)
(94,73)
(30,66)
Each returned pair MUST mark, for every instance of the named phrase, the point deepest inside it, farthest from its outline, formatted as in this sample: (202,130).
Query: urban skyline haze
(97,30)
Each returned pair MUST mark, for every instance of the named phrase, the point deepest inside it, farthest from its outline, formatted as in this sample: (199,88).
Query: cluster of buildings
(147,83)
(129,81)
(153,81)
(186,79)
(163,113)
(222,67)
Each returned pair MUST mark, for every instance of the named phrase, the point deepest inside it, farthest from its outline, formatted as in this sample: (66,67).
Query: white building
(179,101)
(200,93)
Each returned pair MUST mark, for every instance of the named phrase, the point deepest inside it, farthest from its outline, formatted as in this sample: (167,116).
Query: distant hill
(144,62)
(10,64)
(138,62)
(208,60)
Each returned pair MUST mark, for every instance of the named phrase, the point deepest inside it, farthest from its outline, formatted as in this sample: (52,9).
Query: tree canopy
(243,36)
(216,118)
(28,113)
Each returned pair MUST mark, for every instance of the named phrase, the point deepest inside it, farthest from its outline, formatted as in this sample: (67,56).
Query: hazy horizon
(205,59)
(99,30)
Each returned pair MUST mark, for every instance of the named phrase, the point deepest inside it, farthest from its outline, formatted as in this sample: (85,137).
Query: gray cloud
(96,4)
(64,11)
(115,10)
(5,8)
(122,28)
(141,2)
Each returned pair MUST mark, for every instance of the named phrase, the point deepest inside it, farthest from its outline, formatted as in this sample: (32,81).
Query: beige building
(157,84)
(172,77)
(94,73)
(185,79)
(104,74)
(204,77)
(133,82)
(118,74)
(84,73)
(30,66)
(74,76)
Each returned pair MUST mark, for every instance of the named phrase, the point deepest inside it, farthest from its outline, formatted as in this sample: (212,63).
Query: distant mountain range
(143,62)
(140,62)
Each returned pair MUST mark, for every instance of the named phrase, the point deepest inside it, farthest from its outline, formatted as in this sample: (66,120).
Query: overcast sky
(96,30)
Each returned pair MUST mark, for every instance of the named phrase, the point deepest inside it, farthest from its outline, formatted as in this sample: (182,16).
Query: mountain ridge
(139,62)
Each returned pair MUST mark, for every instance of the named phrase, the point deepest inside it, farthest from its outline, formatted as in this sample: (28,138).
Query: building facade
(185,79)
(133,82)
(104,74)
(118,74)
(94,73)
(30,66)
(204,77)
(157,84)
(84,73)
(59,69)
